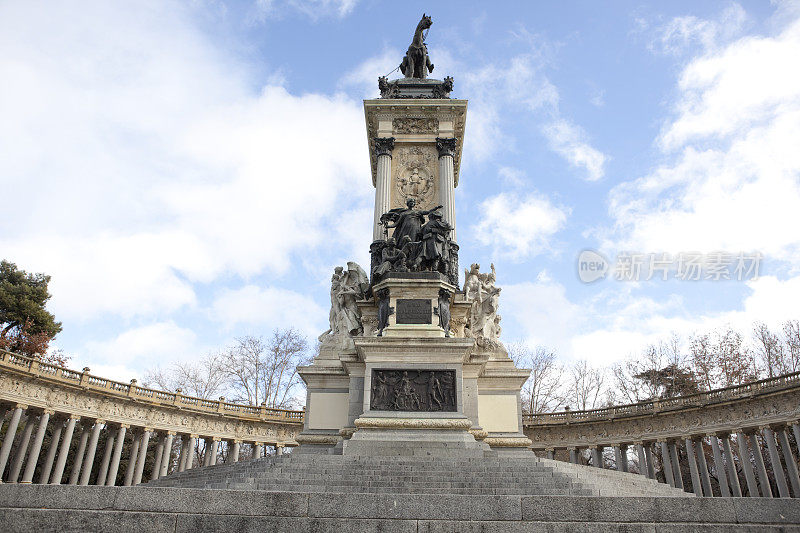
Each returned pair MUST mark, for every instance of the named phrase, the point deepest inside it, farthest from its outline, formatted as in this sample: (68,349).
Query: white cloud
(314,9)
(568,140)
(276,307)
(519,226)
(123,357)
(682,34)
(732,177)
(543,312)
(155,165)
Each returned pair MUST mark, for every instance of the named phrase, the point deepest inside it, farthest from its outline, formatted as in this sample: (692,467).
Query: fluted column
(22,449)
(791,464)
(696,486)
(666,464)
(137,441)
(47,467)
(111,479)
(183,453)
(705,478)
(36,447)
(733,475)
(207,452)
(744,457)
(214,451)
(775,460)
(166,457)
(234,456)
(573,455)
(383,153)
(761,470)
(597,457)
(88,462)
(719,465)
(447,151)
(58,473)
(11,433)
(259,451)
(78,459)
(190,452)
(642,459)
(158,458)
(551,453)
(651,465)
(137,475)
(676,464)
(102,474)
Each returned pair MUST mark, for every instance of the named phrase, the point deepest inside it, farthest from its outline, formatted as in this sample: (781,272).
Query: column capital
(20,406)
(550,449)
(384,146)
(171,432)
(446,146)
(572,448)
(193,436)
(74,417)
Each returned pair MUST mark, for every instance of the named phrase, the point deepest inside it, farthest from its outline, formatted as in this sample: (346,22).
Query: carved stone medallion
(415,175)
(413,390)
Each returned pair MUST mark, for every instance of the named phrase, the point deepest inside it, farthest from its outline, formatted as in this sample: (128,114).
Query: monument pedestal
(411,365)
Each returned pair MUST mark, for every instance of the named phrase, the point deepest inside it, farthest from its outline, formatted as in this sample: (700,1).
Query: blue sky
(192,172)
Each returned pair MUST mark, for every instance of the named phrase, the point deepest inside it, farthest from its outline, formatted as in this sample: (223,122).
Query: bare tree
(791,339)
(203,379)
(585,386)
(542,392)
(266,372)
(769,349)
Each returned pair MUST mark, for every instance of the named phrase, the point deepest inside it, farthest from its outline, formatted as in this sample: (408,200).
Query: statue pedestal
(413,391)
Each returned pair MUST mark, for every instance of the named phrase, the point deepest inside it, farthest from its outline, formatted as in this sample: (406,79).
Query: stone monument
(412,364)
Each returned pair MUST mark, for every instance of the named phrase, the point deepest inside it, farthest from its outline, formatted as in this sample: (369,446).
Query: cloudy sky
(189,172)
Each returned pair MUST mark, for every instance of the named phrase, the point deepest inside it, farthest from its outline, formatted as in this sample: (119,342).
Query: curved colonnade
(737,441)
(76,411)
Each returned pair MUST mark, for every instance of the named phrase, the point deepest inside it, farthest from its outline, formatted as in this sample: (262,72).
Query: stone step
(56,508)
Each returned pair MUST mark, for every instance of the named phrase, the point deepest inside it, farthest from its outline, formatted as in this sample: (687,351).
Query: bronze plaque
(417,311)
(413,390)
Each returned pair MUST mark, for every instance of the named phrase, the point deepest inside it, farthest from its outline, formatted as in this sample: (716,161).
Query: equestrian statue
(416,63)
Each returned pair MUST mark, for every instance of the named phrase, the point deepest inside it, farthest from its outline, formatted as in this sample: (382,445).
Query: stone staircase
(498,476)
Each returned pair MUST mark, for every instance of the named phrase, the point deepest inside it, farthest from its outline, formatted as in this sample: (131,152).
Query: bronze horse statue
(416,63)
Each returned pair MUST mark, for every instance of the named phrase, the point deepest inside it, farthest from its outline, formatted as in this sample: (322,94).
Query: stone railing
(54,400)
(689,437)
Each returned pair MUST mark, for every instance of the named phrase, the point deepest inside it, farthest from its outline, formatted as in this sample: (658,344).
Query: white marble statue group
(351,285)
(483,322)
(347,287)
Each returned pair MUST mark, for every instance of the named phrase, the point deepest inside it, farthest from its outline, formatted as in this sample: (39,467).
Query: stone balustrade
(75,411)
(734,441)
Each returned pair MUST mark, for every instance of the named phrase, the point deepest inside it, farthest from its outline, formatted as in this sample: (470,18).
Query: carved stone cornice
(384,146)
(446,146)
